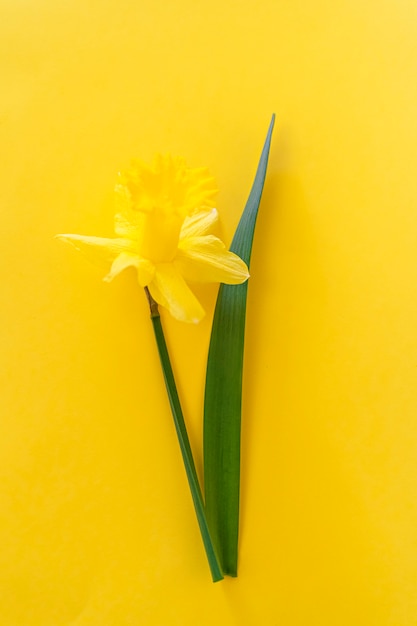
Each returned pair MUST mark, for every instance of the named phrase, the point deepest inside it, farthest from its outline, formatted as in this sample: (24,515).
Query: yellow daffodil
(164,221)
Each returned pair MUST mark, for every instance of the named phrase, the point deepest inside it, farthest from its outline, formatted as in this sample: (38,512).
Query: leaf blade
(223,392)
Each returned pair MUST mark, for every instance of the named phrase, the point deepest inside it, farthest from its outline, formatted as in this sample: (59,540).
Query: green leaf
(223,393)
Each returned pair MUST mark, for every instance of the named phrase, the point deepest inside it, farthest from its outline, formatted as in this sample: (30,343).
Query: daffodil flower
(164,224)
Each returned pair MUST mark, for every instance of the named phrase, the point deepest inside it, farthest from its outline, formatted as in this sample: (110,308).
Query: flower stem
(187,455)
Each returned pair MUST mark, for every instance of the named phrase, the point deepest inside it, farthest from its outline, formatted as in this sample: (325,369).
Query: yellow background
(96,522)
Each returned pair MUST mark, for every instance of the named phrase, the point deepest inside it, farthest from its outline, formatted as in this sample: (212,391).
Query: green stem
(187,455)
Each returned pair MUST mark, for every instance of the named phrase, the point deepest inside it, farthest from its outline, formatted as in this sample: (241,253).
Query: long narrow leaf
(223,393)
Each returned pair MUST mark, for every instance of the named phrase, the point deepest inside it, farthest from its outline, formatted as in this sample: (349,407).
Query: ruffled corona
(164,221)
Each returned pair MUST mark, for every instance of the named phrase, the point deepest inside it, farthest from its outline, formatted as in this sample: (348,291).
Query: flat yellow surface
(96,522)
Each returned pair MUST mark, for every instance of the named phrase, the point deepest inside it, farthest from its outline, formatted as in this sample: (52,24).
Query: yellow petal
(199,224)
(188,188)
(99,248)
(168,184)
(170,290)
(145,268)
(201,189)
(206,260)
(127,222)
